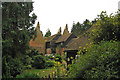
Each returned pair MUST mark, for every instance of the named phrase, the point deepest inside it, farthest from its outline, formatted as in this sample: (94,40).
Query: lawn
(44,72)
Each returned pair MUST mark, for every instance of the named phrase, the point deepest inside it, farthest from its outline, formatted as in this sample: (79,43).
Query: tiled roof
(82,40)
(75,43)
(38,43)
(50,38)
(63,37)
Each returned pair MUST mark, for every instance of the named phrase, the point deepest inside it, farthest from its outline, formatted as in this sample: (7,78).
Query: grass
(44,72)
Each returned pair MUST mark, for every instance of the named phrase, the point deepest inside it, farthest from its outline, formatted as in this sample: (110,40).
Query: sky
(53,14)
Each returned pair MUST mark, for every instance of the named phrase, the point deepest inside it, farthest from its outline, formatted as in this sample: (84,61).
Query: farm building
(58,43)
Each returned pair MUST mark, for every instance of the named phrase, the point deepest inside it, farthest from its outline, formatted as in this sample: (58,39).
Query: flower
(71,57)
(56,58)
(80,47)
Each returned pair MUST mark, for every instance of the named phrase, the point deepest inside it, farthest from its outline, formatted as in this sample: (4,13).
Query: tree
(106,28)
(101,61)
(17,26)
(17,29)
(48,33)
(78,28)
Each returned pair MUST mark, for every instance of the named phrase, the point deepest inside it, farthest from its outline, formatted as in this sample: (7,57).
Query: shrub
(27,60)
(28,67)
(58,58)
(49,63)
(107,64)
(101,61)
(11,66)
(27,75)
(106,28)
(33,52)
(49,56)
(39,62)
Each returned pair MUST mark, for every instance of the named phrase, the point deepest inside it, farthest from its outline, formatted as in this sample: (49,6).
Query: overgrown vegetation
(27,75)
(17,29)
(101,59)
(107,28)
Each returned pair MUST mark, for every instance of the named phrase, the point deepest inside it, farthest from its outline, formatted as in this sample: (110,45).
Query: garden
(99,60)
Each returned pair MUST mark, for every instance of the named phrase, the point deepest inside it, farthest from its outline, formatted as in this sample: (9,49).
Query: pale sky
(55,13)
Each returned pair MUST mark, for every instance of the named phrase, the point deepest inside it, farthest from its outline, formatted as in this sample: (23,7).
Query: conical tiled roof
(66,30)
(38,43)
(59,31)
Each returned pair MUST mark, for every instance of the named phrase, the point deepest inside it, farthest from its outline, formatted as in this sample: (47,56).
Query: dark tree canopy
(48,33)
(17,26)
(107,28)
(78,28)
(17,30)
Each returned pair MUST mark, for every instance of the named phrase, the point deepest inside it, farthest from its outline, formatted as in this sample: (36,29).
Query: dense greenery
(17,30)
(58,58)
(48,33)
(27,75)
(17,27)
(49,64)
(11,66)
(100,62)
(39,62)
(107,28)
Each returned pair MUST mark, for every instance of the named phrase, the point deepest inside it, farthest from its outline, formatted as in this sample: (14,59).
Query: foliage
(106,28)
(27,60)
(11,66)
(49,56)
(49,63)
(107,64)
(65,56)
(39,62)
(32,52)
(28,66)
(27,75)
(48,33)
(101,61)
(17,29)
(78,28)
(58,58)
(57,65)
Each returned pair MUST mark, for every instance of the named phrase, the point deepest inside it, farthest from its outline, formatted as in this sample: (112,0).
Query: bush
(106,28)
(11,66)
(27,60)
(39,62)
(27,75)
(100,62)
(49,56)
(49,63)
(28,67)
(33,52)
(58,58)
